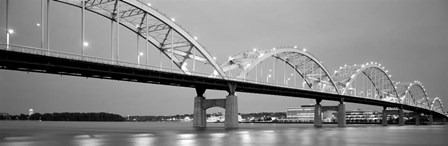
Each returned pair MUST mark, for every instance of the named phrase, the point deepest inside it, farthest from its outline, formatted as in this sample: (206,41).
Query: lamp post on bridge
(8,32)
(267,78)
(138,58)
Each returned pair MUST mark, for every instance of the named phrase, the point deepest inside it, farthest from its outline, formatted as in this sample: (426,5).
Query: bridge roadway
(12,60)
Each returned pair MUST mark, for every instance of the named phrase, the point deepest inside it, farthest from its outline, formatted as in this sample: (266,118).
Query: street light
(85,44)
(138,58)
(287,81)
(10,31)
(267,78)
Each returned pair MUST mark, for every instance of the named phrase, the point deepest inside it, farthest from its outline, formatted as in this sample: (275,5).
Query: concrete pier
(231,112)
(199,115)
(431,119)
(341,113)
(401,117)
(384,120)
(318,114)
(444,121)
(417,119)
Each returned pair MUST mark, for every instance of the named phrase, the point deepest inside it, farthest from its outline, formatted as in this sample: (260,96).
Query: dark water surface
(18,133)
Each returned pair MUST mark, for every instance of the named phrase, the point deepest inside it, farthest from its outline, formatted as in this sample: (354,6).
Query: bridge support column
(431,119)
(444,121)
(384,120)
(318,114)
(341,113)
(199,115)
(417,119)
(400,117)
(231,108)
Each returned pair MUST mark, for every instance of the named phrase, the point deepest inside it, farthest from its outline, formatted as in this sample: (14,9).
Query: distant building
(358,115)
(304,114)
(30,111)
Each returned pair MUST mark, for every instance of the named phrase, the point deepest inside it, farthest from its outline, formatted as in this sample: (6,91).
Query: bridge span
(367,83)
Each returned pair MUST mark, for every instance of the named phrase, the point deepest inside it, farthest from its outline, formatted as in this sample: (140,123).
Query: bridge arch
(163,33)
(413,94)
(377,75)
(437,105)
(306,65)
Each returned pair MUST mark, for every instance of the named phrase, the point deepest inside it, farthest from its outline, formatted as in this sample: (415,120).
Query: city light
(140,53)
(172,19)
(195,38)
(38,24)
(304,49)
(149,4)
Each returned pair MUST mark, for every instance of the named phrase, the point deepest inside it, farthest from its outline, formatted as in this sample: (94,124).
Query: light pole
(287,81)
(10,31)
(267,78)
(84,46)
(138,58)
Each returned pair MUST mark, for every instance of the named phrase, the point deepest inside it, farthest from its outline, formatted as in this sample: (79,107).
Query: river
(18,133)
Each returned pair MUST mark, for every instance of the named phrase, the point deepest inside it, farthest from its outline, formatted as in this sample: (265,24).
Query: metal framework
(379,78)
(163,33)
(413,94)
(438,107)
(306,65)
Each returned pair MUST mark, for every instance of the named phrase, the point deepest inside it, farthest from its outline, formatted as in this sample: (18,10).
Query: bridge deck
(11,60)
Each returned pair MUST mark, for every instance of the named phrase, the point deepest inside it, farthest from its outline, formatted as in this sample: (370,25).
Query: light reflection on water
(157,134)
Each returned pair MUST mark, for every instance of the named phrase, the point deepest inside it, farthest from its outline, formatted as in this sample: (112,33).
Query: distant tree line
(66,117)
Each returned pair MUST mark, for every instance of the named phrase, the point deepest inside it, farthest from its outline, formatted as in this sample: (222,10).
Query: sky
(408,37)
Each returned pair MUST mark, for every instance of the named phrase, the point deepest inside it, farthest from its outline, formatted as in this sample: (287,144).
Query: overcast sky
(409,37)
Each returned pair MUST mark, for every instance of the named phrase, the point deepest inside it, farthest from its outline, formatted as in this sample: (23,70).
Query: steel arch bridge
(306,65)
(163,33)
(376,74)
(182,48)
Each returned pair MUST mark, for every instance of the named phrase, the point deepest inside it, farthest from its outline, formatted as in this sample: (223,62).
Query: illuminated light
(195,38)
(304,49)
(255,49)
(140,53)
(335,71)
(273,48)
(172,19)
(38,24)
(230,58)
(214,58)
(387,71)
(261,55)
(362,65)
(292,74)
(149,4)
(356,65)
(10,31)
(379,64)
(85,44)
(345,65)
(295,47)
(269,76)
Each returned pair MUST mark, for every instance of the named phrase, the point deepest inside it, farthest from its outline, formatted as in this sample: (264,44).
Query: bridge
(281,71)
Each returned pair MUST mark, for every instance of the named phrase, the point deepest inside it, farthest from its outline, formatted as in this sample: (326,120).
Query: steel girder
(163,33)
(413,94)
(384,86)
(306,65)
(437,107)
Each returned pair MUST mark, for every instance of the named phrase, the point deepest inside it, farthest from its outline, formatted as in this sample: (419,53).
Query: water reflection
(251,135)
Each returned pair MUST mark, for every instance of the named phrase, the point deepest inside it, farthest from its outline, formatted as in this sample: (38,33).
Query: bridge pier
(417,119)
(231,108)
(401,117)
(230,104)
(199,114)
(444,121)
(384,114)
(341,113)
(318,114)
(431,119)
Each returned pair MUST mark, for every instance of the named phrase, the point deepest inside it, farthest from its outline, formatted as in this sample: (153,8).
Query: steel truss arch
(146,21)
(413,94)
(377,75)
(306,65)
(438,109)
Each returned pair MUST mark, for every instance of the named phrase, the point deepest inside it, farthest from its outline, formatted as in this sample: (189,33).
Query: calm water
(20,133)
